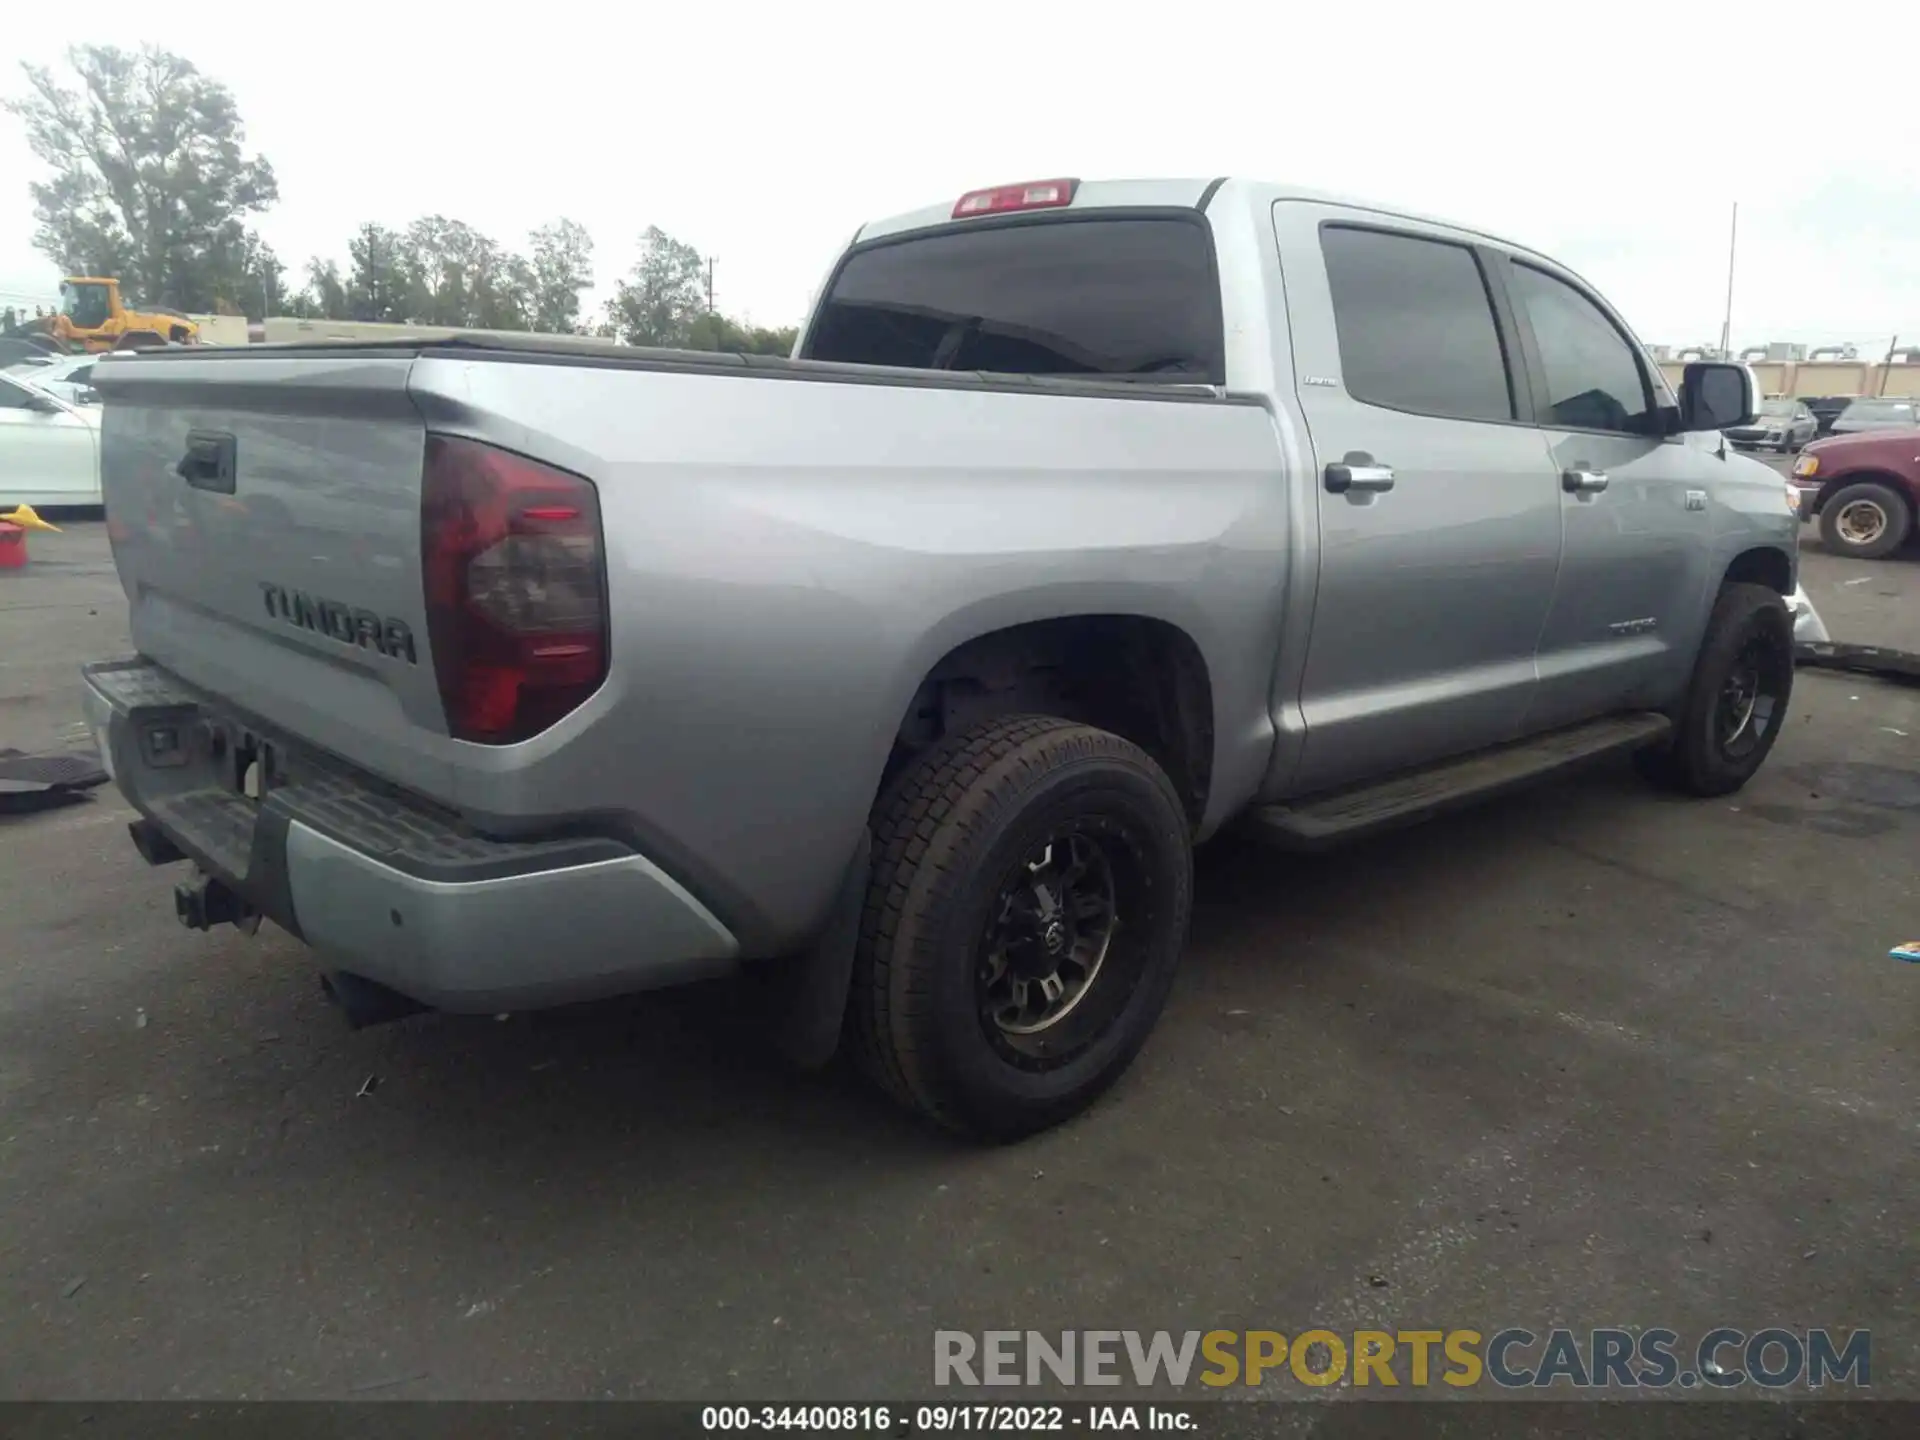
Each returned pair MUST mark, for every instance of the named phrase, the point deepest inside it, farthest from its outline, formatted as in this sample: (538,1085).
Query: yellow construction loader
(92,317)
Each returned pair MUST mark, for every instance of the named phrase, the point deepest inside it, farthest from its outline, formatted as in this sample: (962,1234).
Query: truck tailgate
(265,518)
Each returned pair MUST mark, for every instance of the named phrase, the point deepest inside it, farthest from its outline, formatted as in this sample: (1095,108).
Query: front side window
(1415,325)
(1593,380)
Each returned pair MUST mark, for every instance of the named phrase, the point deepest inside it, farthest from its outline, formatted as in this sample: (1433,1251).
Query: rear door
(1439,518)
(1636,505)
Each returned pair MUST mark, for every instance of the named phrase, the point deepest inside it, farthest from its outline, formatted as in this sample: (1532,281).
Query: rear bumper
(386,886)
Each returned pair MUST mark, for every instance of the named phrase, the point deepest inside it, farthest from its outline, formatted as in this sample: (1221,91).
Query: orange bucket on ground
(13,546)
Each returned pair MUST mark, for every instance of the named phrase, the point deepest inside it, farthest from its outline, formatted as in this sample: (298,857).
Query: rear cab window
(1081,295)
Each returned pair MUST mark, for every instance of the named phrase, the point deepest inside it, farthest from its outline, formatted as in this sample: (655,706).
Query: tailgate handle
(210,461)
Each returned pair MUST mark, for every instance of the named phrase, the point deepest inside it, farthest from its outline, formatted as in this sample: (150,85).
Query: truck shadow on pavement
(686,1079)
(686,1076)
(239,1061)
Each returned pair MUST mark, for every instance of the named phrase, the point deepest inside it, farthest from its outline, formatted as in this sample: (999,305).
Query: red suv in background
(1864,489)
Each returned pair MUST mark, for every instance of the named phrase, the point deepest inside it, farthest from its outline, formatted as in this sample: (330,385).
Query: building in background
(1809,378)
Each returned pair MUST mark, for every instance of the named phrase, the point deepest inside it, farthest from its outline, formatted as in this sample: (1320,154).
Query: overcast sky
(1613,136)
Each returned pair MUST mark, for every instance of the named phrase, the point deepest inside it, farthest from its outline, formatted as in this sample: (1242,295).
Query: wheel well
(1142,679)
(1864,477)
(1764,566)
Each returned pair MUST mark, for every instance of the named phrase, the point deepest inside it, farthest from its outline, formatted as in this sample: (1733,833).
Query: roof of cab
(1178,194)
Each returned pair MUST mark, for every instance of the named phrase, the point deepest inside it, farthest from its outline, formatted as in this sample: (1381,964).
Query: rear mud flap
(810,991)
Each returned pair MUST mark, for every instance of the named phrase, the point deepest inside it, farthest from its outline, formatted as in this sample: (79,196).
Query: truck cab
(1506,526)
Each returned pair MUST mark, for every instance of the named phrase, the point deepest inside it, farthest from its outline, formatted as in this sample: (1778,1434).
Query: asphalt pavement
(1588,1056)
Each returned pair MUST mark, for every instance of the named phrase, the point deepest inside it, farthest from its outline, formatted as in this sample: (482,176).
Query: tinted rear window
(1063,297)
(1415,324)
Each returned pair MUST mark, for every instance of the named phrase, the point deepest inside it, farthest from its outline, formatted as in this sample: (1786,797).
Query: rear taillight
(1033,195)
(515,586)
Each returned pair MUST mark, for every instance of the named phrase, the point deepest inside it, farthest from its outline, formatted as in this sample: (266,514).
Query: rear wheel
(1737,700)
(1867,521)
(1031,888)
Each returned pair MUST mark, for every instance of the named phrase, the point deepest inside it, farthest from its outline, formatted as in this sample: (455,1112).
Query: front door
(1636,507)
(1439,516)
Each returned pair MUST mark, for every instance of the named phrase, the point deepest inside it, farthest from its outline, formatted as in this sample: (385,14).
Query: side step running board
(1326,820)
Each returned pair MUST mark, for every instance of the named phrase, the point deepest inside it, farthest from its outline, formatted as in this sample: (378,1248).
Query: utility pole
(1726,325)
(1886,365)
(709,285)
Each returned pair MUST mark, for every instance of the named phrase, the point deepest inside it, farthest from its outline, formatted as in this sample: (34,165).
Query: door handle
(210,461)
(1582,481)
(1358,472)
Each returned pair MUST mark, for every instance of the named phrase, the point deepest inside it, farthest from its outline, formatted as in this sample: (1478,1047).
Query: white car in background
(49,447)
(68,376)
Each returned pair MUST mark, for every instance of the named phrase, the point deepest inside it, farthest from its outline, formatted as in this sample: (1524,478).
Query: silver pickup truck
(905,674)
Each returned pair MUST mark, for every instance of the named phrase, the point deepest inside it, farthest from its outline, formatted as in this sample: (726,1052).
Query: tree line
(150,181)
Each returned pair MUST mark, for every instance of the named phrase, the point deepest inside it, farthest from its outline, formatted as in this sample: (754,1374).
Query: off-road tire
(1696,759)
(949,833)
(1899,520)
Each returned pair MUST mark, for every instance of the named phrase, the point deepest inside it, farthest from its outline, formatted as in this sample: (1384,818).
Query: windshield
(1776,407)
(1112,297)
(84,305)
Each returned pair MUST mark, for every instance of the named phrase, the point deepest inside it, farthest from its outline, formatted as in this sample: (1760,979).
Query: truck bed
(778,557)
(612,354)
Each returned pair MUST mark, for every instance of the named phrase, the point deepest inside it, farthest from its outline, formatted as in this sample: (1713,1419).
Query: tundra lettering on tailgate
(337,621)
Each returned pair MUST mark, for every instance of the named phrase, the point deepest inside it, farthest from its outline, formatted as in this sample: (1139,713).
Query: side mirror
(1716,396)
(87,395)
